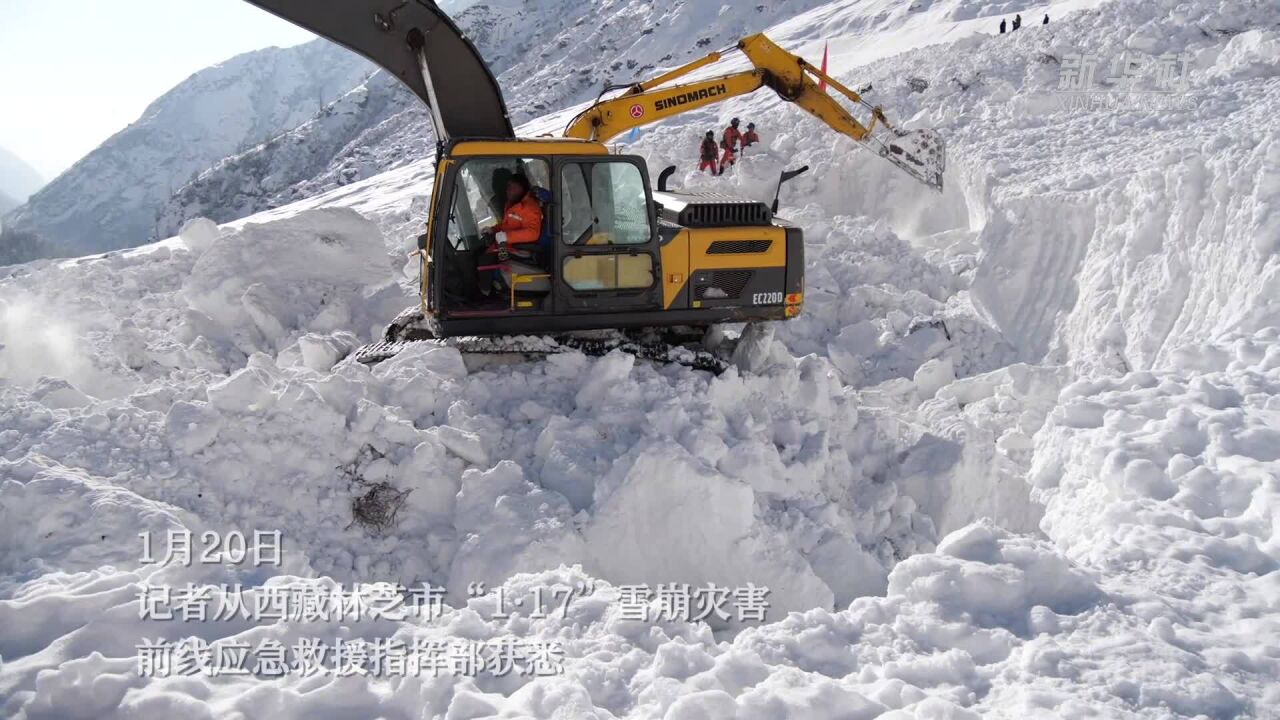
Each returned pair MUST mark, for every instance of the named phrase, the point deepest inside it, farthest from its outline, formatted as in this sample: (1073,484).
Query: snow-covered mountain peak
(113,196)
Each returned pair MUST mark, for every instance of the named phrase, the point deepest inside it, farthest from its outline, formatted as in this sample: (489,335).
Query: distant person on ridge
(709,153)
(1017,21)
(750,137)
(1002,26)
(1046,19)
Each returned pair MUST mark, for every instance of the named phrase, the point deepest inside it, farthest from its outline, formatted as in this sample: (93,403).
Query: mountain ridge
(109,199)
(18,179)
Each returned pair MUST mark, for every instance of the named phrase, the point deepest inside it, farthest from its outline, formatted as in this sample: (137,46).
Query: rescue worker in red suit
(521,225)
(750,137)
(709,153)
(730,142)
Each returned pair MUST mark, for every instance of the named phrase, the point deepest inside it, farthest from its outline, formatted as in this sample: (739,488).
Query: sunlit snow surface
(1020,457)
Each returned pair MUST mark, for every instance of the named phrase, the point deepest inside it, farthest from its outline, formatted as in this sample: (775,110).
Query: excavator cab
(614,254)
(597,246)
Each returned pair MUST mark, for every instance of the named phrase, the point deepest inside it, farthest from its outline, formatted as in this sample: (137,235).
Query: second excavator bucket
(920,153)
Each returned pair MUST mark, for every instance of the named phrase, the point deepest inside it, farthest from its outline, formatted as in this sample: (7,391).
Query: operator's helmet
(751,126)
(734,122)
(711,134)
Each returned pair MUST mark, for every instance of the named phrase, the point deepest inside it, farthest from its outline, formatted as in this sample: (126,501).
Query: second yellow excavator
(616,264)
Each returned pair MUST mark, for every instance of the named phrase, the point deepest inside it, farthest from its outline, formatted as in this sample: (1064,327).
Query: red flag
(822,82)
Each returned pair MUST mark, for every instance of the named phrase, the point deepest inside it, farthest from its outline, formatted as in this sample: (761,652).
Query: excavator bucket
(919,153)
(415,41)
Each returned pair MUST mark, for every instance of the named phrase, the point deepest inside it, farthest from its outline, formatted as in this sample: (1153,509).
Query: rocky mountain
(112,197)
(18,180)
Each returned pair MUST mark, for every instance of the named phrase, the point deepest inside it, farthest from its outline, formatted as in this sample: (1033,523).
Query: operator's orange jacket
(522,221)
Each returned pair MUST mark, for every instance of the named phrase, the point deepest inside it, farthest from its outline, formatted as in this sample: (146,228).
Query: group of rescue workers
(715,158)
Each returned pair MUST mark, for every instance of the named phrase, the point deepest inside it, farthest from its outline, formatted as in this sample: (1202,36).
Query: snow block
(994,577)
(248,390)
(318,352)
(192,427)
(199,234)
(466,445)
(441,362)
(277,278)
(607,372)
(506,525)
(933,376)
(673,520)
(55,393)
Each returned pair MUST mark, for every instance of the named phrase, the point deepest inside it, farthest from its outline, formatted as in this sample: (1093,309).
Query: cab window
(603,203)
(479,198)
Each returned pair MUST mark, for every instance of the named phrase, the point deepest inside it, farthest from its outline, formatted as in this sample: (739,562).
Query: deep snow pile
(994,353)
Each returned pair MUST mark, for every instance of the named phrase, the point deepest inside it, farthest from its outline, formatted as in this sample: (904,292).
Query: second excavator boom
(919,153)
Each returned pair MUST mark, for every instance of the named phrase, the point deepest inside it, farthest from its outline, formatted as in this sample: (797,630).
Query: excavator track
(658,345)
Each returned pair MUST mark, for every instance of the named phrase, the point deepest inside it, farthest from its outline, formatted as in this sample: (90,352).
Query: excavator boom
(919,153)
(415,41)
(610,118)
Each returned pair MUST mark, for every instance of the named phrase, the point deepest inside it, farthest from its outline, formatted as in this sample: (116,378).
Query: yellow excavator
(617,264)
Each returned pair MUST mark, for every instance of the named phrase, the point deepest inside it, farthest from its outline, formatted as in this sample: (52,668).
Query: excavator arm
(919,153)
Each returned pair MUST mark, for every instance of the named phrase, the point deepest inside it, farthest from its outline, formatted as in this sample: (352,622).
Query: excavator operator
(521,224)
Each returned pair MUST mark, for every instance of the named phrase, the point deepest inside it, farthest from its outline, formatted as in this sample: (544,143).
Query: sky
(74,72)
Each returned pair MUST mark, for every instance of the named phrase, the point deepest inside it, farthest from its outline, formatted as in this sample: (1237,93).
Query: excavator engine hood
(415,41)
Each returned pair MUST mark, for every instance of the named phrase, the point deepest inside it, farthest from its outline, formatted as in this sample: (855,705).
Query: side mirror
(422,242)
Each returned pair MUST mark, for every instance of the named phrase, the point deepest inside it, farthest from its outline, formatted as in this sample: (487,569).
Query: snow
(1018,458)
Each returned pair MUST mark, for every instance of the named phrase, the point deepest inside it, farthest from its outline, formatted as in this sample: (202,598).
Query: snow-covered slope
(375,127)
(1017,459)
(546,54)
(18,180)
(112,197)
